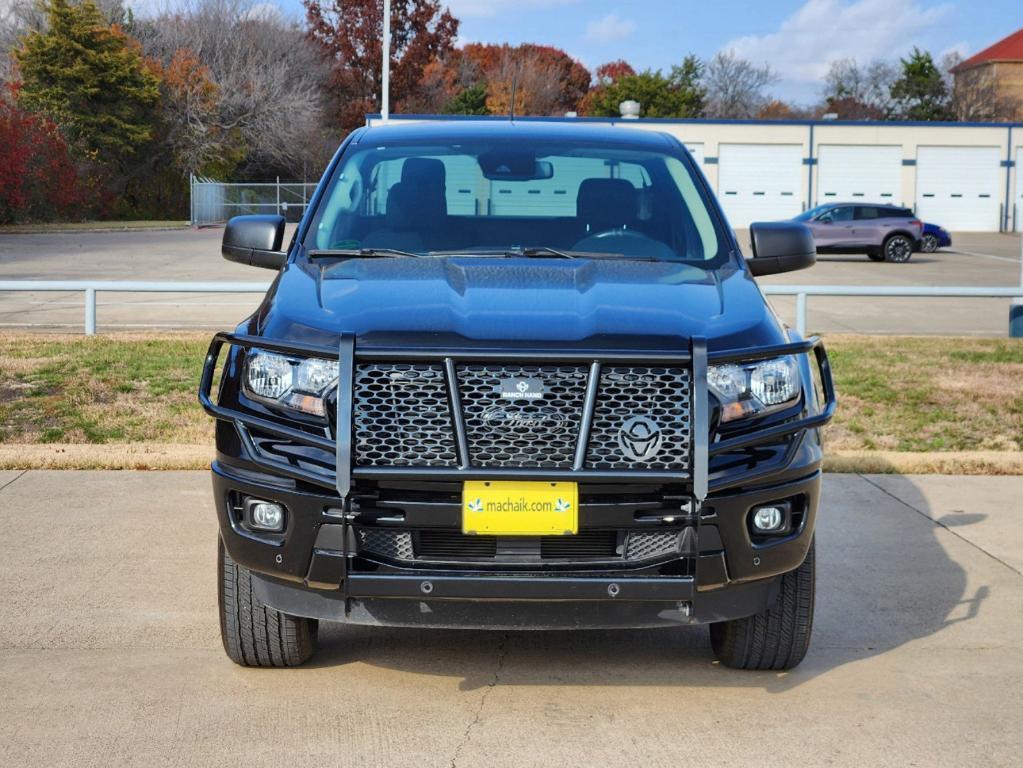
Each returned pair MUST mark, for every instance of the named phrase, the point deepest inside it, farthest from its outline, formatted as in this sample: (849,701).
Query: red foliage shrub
(38,180)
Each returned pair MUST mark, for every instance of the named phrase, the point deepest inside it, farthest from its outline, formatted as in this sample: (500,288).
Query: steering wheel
(628,242)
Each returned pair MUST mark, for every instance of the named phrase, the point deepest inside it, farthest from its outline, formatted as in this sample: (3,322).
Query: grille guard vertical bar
(701,421)
(586,423)
(343,441)
(457,416)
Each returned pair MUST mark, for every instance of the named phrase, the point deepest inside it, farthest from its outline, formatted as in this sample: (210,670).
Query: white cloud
(825,30)
(610,28)
(470,8)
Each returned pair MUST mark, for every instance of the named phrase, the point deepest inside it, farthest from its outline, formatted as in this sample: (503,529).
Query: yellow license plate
(513,508)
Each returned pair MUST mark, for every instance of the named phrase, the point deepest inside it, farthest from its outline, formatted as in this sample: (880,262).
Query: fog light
(772,518)
(264,515)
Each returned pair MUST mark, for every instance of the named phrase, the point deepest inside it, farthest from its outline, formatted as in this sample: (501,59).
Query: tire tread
(778,637)
(254,634)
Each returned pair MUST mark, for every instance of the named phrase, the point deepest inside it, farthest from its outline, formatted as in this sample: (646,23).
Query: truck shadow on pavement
(884,580)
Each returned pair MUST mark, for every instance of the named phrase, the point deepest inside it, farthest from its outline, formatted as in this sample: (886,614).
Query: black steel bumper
(315,567)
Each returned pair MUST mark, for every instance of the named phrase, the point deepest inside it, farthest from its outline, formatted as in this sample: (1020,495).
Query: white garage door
(1018,211)
(872,174)
(958,187)
(760,182)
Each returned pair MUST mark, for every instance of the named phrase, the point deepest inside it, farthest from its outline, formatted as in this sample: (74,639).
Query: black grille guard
(696,357)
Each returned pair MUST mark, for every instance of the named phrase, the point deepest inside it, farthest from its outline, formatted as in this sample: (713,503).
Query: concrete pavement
(109,651)
(979,259)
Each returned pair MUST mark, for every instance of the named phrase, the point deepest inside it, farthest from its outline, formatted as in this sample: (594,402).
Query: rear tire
(929,244)
(776,638)
(897,249)
(254,634)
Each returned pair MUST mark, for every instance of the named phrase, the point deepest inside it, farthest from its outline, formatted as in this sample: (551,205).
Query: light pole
(385,91)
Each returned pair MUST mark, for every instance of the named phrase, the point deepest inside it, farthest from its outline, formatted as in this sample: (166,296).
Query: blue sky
(796,37)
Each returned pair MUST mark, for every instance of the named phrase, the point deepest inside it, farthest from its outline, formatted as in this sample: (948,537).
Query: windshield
(813,213)
(506,196)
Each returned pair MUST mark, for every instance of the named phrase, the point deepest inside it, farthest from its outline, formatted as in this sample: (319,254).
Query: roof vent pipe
(629,109)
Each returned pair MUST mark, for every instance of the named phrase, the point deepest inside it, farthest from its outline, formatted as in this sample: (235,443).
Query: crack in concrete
(467,735)
(940,524)
(14,479)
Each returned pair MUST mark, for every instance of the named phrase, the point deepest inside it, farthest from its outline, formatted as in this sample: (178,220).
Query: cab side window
(839,215)
(869,212)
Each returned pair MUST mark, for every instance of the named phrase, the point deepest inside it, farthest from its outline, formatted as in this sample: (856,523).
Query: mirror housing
(780,246)
(255,240)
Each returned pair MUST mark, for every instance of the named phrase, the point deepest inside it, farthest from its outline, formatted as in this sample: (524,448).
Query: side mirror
(255,241)
(780,246)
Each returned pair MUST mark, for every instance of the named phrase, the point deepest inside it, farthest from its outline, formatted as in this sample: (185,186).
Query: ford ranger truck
(516,376)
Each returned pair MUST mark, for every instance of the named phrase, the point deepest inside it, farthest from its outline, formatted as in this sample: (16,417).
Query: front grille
(401,416)
(440,545)
(621,437)
(522,433)
(641,420)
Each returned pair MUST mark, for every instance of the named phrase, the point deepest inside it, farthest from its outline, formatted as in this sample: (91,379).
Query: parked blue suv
(518,376)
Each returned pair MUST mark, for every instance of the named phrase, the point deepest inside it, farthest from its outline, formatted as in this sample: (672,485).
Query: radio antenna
(511,108)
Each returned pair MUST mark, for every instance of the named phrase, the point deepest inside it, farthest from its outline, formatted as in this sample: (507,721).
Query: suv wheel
(776,638)
(929,244)
(254,634)
(897,249)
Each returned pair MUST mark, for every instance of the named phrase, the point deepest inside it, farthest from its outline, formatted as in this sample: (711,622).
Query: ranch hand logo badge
(520,388)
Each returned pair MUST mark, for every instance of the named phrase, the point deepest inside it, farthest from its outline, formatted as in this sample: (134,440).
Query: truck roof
(525,130)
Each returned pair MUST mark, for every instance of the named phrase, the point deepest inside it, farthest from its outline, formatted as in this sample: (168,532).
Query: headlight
(296,383)
(750,389)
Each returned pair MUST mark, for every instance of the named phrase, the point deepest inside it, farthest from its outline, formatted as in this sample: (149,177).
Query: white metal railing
(802,292)
(92,287)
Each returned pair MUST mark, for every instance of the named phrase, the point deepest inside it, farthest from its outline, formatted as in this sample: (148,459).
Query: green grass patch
(895,393)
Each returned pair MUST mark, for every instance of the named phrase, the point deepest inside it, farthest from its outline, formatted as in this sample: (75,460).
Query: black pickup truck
(516,376)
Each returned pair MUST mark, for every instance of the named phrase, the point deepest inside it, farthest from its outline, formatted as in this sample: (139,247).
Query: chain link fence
(214,202)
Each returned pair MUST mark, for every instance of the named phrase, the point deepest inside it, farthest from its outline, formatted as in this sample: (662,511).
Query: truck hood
(512,299)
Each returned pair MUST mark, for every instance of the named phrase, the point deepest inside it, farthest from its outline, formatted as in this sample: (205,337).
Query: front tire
(254,634)
(897,249)
(929,244)
(776,638)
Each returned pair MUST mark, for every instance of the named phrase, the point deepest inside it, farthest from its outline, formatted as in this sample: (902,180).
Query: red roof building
(990,83)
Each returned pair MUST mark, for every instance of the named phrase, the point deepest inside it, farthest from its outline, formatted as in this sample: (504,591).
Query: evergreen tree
(91,80)
(921,93)
(678,94)
(469,101)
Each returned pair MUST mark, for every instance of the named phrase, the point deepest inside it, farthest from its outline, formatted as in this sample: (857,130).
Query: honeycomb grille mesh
(443,544)
(652,405)
(401,416)
(641,419)
(645,545)
(396,545)
(522,433)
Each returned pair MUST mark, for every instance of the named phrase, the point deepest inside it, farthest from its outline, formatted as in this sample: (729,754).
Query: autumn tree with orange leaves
(350,34)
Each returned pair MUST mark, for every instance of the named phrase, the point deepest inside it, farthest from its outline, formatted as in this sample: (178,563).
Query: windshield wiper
(358,253)
(530,251)
(539,250)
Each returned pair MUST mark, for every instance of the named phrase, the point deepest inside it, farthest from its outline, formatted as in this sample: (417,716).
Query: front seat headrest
(604,204)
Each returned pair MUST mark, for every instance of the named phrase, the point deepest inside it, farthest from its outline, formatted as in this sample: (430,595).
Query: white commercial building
(963,176)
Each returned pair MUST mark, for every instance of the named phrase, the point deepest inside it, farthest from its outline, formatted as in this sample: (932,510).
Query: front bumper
(319,566)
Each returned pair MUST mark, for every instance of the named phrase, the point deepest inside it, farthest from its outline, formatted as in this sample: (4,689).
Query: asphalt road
(110,656)
(979,260)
